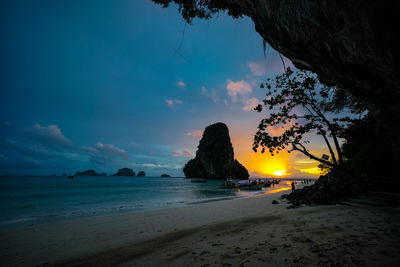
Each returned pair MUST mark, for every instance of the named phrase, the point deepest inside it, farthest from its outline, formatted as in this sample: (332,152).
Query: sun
(280,173)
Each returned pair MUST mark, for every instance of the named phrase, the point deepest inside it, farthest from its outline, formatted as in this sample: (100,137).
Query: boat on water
(246,184)
(198,180)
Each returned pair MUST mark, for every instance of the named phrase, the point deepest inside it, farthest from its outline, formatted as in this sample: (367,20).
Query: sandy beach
(238,232)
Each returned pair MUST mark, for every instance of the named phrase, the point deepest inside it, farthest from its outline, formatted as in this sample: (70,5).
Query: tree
(298,101)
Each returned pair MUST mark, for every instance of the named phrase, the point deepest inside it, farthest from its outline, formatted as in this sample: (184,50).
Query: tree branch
(311,156)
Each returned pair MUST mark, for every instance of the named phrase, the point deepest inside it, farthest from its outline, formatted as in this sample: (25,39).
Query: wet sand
(237,232)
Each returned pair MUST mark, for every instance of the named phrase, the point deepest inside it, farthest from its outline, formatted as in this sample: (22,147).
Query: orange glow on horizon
(264,165)
(280,173)
(313,170)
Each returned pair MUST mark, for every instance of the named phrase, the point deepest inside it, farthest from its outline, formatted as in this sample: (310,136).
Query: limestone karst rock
(215,157)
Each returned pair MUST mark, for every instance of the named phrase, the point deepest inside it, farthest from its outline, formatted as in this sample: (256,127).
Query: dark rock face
(165,175)
(239,171)
(215,157)
(328,189)
(141,174)
(352,43)
(87,173)
(125,172)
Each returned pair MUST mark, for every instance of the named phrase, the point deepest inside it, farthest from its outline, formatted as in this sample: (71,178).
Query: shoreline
(207,233)
(22,222)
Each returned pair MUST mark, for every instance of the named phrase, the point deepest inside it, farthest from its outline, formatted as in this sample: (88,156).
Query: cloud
(258,68)
(181,85)
(44,149)
(197,133)
(188,152)
(251,103)
(171,102)
(48,135)
(237,88)
(104,153)
(211,94)
(177,153)
(152,165)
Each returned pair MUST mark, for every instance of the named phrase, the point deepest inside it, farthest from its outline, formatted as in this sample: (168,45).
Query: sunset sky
(109,84)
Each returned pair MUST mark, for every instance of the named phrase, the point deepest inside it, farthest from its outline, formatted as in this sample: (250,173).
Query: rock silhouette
(215,157)
(87,173)
(141,174)
(125,172)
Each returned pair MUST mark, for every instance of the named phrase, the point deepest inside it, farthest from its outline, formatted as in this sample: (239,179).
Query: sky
(110,84)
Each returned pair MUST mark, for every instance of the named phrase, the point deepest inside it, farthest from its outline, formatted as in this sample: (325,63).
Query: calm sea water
(33,200)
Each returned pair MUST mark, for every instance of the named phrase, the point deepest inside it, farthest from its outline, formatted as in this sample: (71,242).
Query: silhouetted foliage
(203,9)
(298,101)
(367,150)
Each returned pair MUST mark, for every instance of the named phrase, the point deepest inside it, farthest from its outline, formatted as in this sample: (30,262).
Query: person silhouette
(293,188)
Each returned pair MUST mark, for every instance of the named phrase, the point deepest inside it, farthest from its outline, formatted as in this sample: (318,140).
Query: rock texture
(87,173)
(141,174)
(215,157)
(125,172)
(328,189)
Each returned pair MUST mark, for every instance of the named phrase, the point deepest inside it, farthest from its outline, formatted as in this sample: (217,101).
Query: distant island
(141,174)
(125,172)
(215,157)
(87,173)
(121,172)
(165,175)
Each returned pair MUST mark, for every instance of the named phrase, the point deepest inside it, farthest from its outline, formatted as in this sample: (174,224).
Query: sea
(31,200)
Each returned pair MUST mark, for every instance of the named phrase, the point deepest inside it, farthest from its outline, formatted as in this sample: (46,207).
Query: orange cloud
(177,153)
(187,152)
